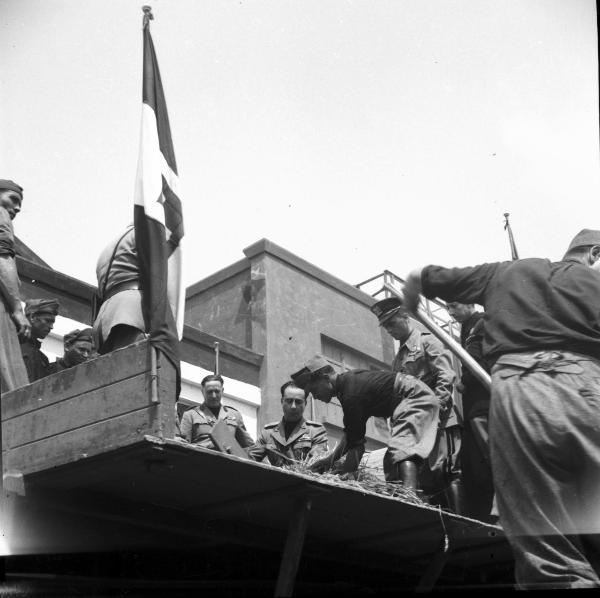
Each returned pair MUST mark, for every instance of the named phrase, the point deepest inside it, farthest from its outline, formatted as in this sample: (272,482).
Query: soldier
(408,403)
(424,357)
(293,438)
(120,321)
(542,340)
(196,423)
(77,349)
(13,323)
(41,314)
(475,451)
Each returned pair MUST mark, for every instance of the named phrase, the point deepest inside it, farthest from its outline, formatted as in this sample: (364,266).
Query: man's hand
(321,464)
(22,323)
(412,291)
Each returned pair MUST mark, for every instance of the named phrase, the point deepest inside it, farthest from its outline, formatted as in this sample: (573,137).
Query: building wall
(222,307)
(300,309)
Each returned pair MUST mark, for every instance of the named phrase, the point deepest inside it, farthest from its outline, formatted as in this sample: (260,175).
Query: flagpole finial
(148,16)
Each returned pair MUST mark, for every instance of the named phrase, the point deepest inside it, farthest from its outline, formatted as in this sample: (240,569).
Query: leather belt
(124,286)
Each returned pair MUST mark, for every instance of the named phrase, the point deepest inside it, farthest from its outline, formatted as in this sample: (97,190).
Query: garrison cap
(78,335)
(314,364)
(386,308)
(41,306)
(8,185)
(585,237)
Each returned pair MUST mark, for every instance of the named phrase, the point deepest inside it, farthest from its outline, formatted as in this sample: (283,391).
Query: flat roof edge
(217,277)
(266,246)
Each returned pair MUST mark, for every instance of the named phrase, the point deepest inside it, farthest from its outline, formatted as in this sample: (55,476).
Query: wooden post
(435,567)
(290,558)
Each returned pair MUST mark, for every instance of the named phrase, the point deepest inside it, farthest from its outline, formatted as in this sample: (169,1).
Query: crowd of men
(537,437)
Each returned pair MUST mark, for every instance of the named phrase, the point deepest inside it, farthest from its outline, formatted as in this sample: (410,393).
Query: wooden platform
(92,464)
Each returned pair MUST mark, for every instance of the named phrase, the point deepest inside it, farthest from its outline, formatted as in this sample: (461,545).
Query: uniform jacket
(57,366)
(197,423)
(424,357)
(475,397)
(36,362)
(124,307)
(307,439)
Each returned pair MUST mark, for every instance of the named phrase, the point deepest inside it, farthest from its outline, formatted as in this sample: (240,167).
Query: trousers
(545,453)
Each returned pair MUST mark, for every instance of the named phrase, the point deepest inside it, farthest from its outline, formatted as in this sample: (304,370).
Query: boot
(455,495)
(406,472)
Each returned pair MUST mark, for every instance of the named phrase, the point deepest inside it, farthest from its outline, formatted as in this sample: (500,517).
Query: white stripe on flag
(152,166)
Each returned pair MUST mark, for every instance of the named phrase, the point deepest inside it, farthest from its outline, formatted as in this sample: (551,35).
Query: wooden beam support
(292,551)
(435,566)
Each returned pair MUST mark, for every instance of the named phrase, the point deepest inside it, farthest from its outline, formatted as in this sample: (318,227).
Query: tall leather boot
(457,500)
(409,474)
(406,471)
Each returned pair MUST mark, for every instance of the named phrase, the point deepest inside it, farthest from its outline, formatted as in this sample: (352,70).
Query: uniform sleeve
(466,285)
(7,239)
(258,450)
(186,425)
(319,442)
(355,425)
(241,434)
(441,362)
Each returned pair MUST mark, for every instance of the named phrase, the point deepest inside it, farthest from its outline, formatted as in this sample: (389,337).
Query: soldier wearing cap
(197,423)
(409,404)
(424,356)
(41,314)
(78,348)
(13,322)
(542,339)
(292,438)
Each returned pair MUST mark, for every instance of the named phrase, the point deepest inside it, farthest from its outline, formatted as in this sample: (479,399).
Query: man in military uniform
(423,356)
(293,438)
(409,404)
(120,321)
(196,423)
(41,314)
(475,451)
(77,349)
(13,323)
(542,340)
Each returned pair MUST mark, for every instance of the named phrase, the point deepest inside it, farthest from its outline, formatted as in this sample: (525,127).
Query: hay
(366,480)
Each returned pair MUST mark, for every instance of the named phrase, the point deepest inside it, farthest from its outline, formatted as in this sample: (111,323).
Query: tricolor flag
(158,217)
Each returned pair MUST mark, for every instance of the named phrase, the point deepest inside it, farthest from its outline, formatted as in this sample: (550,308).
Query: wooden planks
(83,411)
(68,384)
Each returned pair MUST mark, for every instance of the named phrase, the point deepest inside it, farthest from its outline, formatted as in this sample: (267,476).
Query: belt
(124,286)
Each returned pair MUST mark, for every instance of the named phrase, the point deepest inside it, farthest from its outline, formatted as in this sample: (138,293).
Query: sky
(359,135)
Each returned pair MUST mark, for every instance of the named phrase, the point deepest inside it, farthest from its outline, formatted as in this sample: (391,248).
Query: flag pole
(513,248)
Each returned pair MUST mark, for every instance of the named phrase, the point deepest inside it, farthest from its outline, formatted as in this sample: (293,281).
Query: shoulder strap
(112,259)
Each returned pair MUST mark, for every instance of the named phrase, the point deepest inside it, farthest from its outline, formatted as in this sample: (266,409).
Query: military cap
(78,335)
(7,185)
(585,237)
(41,306)
(386,308)
(314,364)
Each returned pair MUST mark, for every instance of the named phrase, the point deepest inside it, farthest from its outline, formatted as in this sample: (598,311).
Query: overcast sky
(360,135)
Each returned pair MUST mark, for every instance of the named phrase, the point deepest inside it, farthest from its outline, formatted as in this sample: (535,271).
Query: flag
(511,240)
(158,217)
